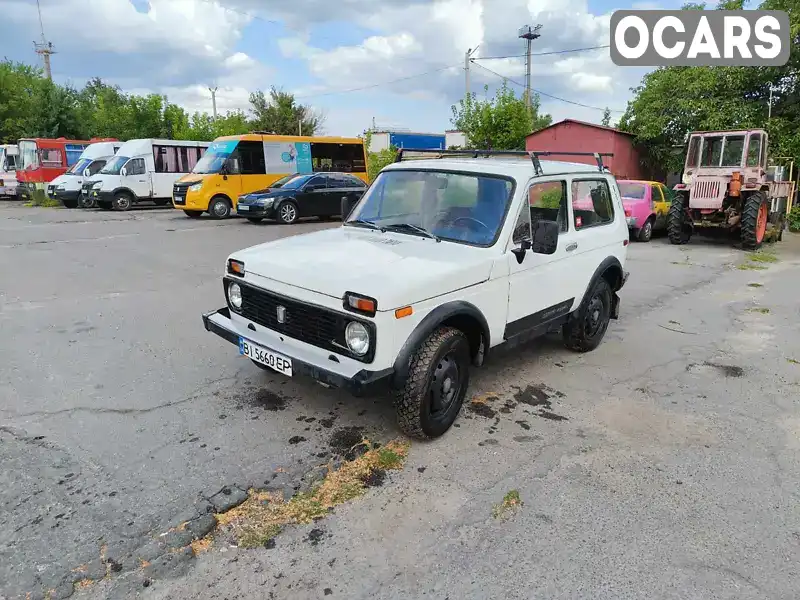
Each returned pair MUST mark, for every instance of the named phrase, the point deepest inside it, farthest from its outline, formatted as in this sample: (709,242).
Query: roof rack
(403,154)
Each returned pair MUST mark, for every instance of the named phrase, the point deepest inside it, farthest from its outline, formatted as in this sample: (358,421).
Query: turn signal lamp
(236,267)
(360,304)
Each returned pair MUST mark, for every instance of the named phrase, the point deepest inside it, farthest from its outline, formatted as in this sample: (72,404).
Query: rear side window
(548,202)
(591,203)
(251,158)
(51,157)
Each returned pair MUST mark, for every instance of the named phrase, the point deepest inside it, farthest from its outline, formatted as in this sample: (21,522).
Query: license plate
(178,199)
(266,357)
(243,208)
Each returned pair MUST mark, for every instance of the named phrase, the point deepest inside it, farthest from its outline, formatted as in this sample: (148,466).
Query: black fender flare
(428,325)
(128,191)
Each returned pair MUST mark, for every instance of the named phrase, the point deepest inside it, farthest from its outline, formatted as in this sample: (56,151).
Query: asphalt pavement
(665,464)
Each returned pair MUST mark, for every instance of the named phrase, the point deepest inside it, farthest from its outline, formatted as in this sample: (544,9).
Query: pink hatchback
(646,205)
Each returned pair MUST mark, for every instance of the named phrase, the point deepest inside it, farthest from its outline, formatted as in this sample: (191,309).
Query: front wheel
(434,391)
(86,202)
(679,224)
(219,208)
(287,212)
(70,203)
(585,330)
(122,201)
(754,221)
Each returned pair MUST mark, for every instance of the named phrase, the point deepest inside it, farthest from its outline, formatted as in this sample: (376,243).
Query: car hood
(61,179)
(395,269)
(272,193)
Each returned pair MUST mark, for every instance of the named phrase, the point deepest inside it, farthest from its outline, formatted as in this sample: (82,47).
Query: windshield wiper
(367,224)
(415,228)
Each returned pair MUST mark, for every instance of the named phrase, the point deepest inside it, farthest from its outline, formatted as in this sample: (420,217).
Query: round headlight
(687,178)
(235,295)
(357,337)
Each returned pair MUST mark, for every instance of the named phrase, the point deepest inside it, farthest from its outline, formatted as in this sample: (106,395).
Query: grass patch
(793,361)
(754,285)
(763,257)
(264,514)
(511,501)
(760,310)
(751,267)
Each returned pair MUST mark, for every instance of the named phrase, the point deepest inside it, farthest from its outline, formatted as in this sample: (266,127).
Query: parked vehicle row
(9,154)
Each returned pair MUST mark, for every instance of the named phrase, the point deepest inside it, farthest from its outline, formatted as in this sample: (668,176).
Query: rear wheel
(754,221)
(679,225)
(585,329)
(70,203)
(287,212)
(437,382)
(646,232)
(194,214)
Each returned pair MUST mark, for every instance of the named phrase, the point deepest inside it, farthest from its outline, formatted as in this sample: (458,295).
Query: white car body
(8,170)
(435,279)
(139,176)
(92,159)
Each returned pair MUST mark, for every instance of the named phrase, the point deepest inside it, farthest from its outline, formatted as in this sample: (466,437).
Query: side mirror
(86,173)
(520,251)
(123,171)
(545,237)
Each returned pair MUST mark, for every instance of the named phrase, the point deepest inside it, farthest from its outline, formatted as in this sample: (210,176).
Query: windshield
(28,156)
(632,190)
(79,167)
(114,166)
(295,182)
(215,157)
(734,149)
(460,208)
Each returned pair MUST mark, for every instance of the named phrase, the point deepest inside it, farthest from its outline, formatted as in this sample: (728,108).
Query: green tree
(281,114)
(20,92)
(606,122)
(501,123)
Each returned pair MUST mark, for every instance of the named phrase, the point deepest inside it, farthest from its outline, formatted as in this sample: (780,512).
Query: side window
(522,230)
(318,182)
(348,158)
(251,158)
(135,167)
(657,193)
(166,159)
(51,157)
(337,182)
(96,166)
(355,182)
(754,150)
(591,203)
(548,202)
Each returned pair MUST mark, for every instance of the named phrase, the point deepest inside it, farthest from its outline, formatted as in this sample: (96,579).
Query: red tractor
(727,184)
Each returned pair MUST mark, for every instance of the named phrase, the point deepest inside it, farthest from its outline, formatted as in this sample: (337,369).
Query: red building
(570,135)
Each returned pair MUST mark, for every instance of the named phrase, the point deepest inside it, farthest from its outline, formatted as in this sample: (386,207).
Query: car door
(311,200)
(539,287)
(137,178)
(660,205)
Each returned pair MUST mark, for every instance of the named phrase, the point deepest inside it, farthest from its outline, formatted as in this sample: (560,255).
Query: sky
(399,64)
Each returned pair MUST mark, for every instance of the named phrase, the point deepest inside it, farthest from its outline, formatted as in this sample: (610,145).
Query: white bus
(144,170)
(9,154)
(67,188)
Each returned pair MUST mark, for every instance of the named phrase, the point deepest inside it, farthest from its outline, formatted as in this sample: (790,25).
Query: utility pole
(467,58)
(44,48)
(213,101)
(528,34)
(300,127)
(769,110)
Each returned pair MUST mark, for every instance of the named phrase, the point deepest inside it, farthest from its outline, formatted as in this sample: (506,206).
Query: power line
(375,85)
(542,53)
(541,93)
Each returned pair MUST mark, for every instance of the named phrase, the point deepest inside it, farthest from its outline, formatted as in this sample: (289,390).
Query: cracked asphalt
(666,464)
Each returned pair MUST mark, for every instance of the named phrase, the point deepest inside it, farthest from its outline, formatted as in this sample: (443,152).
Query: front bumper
(104,197)
(304,362)
(255,211)
(68,195)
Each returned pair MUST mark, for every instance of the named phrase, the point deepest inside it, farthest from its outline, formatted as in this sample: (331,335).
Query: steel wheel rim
(445,384)
(287,212)
(594,315)
(123,202)
(648,229)
(761,222)
(220,208)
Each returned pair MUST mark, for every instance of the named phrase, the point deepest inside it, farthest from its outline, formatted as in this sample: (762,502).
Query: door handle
(571,247)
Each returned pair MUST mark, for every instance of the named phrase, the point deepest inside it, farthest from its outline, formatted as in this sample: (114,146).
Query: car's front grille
(305,322)
(179,192)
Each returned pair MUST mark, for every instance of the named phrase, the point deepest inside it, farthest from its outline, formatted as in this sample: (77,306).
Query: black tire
(585,329)
(122,201)
(255,219)
(219,207)
(287,212)
(645,234)
(750,234)
(104,205)
(430,401)
(86,202)
(163,202)
(70,203)
(193,214)
(679,227)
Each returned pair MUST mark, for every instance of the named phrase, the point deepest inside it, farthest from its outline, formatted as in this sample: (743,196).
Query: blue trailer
(381,140)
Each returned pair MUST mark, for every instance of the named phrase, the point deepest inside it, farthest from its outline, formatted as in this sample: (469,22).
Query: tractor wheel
(755,215)
(679,227)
